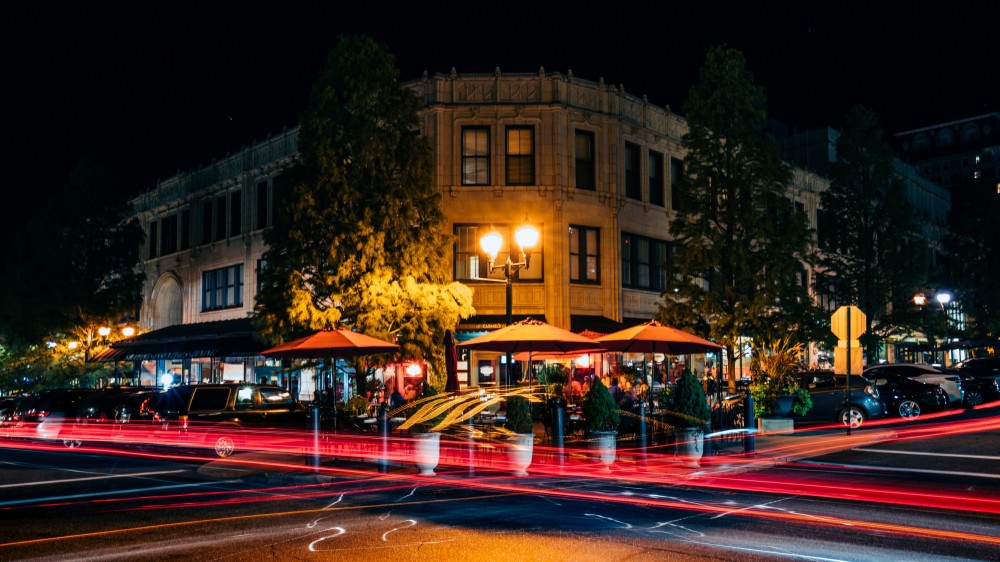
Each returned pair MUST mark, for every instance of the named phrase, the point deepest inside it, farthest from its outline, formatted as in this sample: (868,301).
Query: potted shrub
(522,439)
(772,372)
(691,413)
(601,418)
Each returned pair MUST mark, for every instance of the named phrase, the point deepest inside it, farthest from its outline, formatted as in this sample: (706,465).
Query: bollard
(315,431)
(750,426)
(472,446)
(642,435)
(557,410)
(384,431)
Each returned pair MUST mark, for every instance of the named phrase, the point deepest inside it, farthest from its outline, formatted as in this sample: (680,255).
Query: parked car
(218,416)
(978,389)
(49,412)
(829,396)
(979,366)
(949,382)
(907,397)
(100,406)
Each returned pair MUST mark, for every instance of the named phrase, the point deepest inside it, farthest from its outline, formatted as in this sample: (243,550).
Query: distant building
(957,154)
(595,169)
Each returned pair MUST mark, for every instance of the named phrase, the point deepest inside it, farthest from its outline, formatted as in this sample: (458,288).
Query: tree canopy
(739,245)
(874,257)
(358,237)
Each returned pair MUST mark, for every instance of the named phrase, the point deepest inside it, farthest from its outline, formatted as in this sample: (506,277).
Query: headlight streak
(340,531)
(743,482)
(622,524)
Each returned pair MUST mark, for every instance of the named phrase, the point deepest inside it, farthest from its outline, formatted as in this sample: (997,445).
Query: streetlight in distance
(491,243)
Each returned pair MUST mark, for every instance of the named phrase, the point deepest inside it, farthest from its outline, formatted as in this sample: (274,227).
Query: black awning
(484,322)
(600,324)
(223,338)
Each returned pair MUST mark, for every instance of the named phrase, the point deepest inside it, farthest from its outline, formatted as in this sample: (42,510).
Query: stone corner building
(595,169)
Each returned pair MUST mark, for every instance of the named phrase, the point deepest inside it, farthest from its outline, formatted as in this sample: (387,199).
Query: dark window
(209,399)
(676,183)
(643,261)
(185,227)
(206,222)
(153,239)
(220,218)
(475,156)
(471,263)
(263,211)
(261,271)
(585,161)
(520,156)
(236,213)
(168,235)
(633,188)
(656,194)
(222,288)
(584,254)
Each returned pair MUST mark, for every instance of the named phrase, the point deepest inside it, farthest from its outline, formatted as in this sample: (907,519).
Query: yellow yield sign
(848,323)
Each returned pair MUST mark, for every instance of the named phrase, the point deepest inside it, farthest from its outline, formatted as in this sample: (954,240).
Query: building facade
(596,170)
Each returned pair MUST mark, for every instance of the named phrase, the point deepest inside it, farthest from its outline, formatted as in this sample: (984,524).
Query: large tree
(359,233)
(73,265)
(739,244)
(873,254)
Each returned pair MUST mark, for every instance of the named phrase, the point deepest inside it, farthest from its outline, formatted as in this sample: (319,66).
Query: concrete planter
(604,445)
(426,452)
(778,426)
(689,446)
(520,448)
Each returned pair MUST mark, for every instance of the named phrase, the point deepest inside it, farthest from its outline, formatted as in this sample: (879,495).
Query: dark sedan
(906,397)
(828,393)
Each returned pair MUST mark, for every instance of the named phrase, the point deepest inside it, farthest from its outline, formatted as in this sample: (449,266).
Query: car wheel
(973,398)
(909,409)
(223,445)
(852,416)
(72,443)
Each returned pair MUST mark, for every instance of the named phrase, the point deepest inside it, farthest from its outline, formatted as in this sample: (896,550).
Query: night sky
(151,87)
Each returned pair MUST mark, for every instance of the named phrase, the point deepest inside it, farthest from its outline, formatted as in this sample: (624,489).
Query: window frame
(476,158)
(222,288)
(586,166)
(466,247)
(656,185)
(523,161)
(633,261)
(584,253)
(632,164)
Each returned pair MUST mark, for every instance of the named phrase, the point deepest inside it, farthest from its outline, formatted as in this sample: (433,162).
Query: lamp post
(943,298)
(491,242)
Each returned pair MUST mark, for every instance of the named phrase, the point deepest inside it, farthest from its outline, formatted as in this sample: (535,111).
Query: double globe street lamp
(527,238)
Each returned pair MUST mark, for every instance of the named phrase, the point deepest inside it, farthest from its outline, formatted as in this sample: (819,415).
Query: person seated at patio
(396,400)
(573,392)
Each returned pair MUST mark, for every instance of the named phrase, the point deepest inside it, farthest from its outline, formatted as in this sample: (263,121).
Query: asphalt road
(853,505)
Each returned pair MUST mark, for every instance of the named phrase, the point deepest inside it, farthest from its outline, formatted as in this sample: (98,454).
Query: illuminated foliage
(358,236)
(772,371)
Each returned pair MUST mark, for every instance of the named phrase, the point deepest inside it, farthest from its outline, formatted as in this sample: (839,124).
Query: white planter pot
(604,444)
(426,452)
(778,426)
(689,445)
(520,447)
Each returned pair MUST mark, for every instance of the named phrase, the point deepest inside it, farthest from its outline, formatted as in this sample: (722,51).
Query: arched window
(945,138)
(970,132)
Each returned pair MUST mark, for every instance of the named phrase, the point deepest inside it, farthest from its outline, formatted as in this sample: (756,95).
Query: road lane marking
(92,495)
(920,453)
(104,477)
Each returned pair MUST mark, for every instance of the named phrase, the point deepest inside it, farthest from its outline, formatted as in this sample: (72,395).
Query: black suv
(222,417)
(828,393)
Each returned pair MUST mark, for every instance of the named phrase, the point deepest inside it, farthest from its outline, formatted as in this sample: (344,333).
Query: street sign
(848,323)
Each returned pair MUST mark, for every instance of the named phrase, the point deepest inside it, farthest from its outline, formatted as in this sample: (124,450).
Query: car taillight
(871,391)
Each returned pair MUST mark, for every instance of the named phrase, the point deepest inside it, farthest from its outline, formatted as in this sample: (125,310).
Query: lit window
(520,156)
(475,156)
(222,288)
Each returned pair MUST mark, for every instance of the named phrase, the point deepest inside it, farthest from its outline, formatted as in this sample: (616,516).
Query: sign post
(848,323)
